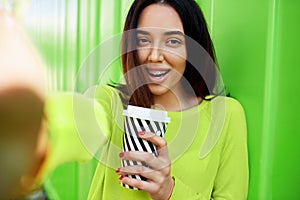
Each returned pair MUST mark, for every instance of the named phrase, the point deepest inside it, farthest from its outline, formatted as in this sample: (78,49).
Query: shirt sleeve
(74,128)
(231,182)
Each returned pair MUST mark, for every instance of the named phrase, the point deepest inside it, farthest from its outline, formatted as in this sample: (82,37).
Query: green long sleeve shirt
(207,145)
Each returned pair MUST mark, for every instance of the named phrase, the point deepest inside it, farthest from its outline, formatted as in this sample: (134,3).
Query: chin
(157,90)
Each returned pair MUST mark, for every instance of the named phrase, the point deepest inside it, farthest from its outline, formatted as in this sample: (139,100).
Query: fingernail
(141,132)
(121,178)
(121,154)
(118,170)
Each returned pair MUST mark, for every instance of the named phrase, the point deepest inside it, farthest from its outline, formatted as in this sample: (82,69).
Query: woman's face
(161,48)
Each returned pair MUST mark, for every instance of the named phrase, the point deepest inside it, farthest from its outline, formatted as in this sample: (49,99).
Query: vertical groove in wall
(88,41)
(212,8)
(60,45)
(265,187)
(98,33)
(97,21)
(54,67)
(78,46)
(116,71)
(65,60)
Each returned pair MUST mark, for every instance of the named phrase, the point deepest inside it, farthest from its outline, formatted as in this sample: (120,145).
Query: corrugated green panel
(285,160)
(56,41)
(66,33)
(207,9)
(256,43)
(240,38)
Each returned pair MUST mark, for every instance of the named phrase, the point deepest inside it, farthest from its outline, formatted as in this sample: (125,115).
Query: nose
(155,55)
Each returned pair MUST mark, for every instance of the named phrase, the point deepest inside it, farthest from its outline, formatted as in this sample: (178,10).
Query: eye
(173,42)
(142,41)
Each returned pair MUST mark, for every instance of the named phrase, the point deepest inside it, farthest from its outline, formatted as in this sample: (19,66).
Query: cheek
(142,55)
(178,63)
(181,65)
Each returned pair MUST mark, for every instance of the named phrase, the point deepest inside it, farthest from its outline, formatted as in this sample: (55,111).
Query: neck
(176,100)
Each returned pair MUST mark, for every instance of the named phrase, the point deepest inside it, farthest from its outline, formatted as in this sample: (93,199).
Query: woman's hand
(159,184)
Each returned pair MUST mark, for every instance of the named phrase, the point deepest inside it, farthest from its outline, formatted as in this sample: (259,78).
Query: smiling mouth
(158,73)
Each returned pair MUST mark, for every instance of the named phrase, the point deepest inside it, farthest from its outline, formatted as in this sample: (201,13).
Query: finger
(158,141)
(152,161)
(141,170)
(147,186)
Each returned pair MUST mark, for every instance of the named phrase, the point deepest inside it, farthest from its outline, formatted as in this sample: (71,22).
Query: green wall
(257,44)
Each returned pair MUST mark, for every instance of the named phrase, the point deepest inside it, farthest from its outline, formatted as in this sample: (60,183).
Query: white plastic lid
(147,114)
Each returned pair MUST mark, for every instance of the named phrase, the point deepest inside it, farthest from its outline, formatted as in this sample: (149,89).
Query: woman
(158,57)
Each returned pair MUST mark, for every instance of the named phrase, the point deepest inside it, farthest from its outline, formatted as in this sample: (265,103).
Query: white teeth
(158,73)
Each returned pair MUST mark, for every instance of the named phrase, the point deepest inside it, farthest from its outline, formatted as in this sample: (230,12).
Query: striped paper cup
(141,119)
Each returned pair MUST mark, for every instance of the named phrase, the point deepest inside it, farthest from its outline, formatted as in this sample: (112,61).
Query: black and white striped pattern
(131,141)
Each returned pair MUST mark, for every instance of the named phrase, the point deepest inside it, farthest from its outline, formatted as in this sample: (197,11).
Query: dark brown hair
(200,70)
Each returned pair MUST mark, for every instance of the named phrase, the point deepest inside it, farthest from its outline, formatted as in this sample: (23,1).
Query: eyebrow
(174,33)
(166,33)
